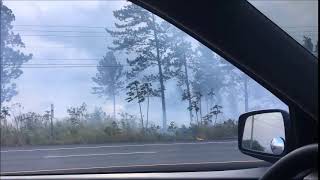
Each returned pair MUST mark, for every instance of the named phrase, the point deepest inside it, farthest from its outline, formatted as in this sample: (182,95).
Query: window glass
(298,18)
(88,84)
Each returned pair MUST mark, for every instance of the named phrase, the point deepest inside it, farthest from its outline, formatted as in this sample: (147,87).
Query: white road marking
(107,154)
(130,166)
(116,146)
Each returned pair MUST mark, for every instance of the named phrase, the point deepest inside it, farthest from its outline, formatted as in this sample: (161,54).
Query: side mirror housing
(265,134)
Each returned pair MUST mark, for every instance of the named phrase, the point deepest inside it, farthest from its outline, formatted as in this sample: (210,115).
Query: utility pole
(51,121)
(188,85)
(251,139)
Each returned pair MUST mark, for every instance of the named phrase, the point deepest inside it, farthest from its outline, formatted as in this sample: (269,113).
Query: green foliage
(157,52)
(209,72)
(27,128)
(214,111)
(227,129)
(97,116)
(254,145)
(307,43)
(135,92)
(143,36)
(108,77)
(113,130)
(11,57)
(76,116)
(34,129)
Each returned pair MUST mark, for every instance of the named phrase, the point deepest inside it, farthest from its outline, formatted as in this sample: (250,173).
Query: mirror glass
(264,132)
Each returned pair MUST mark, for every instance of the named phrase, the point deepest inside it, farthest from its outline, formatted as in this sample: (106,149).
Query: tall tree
(140,92)
(214,111)
(11,57)
(183,57)
(147,91)
(209,76)
(97,116)
(135,91)
(234,86)
(237,86)
(139,33)
(77,115)
(108,78)
(195,106)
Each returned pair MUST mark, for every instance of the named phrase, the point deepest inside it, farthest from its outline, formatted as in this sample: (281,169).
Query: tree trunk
(215,121)
(147,120)
(164,113)
(114,105)
(200,109)
(197,118)
(188,86)
(233,103)
(246,96)
(211,103)
(141,116)
(218,99)
(251,136)
(207,105)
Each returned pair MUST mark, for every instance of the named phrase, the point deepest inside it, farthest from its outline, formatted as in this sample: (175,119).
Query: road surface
(117,155)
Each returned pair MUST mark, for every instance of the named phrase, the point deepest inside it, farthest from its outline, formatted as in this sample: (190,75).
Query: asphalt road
(117,155)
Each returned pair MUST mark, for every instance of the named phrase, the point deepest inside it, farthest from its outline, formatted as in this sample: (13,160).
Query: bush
(246,144)
(34,129)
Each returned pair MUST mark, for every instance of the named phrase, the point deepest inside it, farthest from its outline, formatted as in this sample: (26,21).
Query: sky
(65,87)
(83,37)
(296,17)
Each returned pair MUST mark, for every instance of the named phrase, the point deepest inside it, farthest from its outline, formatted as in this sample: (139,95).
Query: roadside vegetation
(82,127)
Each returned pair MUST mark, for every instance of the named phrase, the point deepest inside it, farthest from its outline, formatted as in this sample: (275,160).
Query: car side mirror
(264,134)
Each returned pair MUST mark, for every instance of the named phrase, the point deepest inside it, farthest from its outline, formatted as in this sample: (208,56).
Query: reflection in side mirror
(264,132)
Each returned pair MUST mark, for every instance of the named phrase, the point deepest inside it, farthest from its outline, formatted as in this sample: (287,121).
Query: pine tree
(11,57)
(143,36)
(182,60)
(108,78)
(209,76)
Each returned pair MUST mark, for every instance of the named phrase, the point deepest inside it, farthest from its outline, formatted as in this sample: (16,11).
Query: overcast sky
(38,22)
(297,17)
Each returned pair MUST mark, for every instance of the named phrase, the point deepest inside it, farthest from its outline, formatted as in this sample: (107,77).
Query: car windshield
(299,18)
(87,84)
